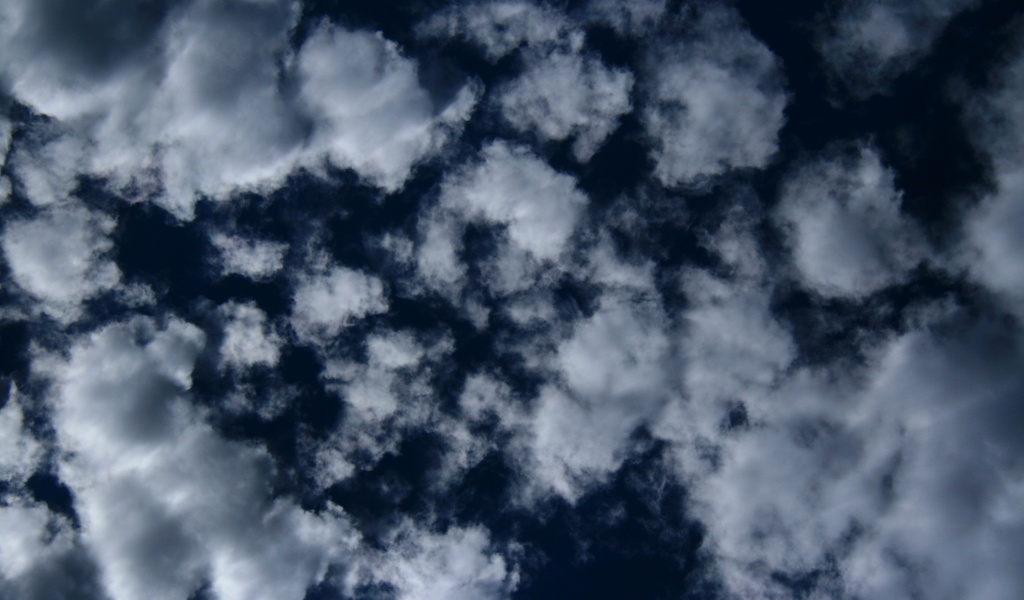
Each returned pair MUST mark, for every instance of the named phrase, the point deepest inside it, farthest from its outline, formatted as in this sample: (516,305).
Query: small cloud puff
(325,303)
(714,100)
(61,258)
(848,236)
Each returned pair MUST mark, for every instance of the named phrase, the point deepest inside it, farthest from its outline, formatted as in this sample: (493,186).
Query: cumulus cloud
(459,564)
(60,257)
(255,259)
(848,236)
(46,164)
(324,303)
(564,94)
(498,26)
(615,373)
(714,100)
(370,111)
(732,349)
(248,341)
(387,395)
(536,207)
(898,479)
(870,43)
(167,113)
(166,505)
(19,451)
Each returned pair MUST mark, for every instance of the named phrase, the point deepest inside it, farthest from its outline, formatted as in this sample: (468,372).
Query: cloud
(615,373)
(732,351)
(387,395)
(993,244)
(167,113)
(370,112)
(714,100)
(46,164)
(60,257)
(255,259)
(19,451)
(564,94)
(459,564)
(5,144)
(324,303)
(847,234)
(627,18)
(247,340)
(893,482)
(498,26)
(166,505)
(870,43)
(535,208)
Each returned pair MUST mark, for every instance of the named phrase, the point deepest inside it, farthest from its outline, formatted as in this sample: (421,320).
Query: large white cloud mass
(166,504)
(181,101)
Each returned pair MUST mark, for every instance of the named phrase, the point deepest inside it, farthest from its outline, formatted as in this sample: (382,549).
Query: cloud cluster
(166,112)
(324,303)
(166,505)
(420,393)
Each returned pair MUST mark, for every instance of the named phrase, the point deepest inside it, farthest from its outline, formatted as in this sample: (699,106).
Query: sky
(511,300)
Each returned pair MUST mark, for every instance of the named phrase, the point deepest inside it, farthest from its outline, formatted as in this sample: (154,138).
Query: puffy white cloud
(248,341)
(19,451)
(993,229)
(537,208)
(498,26)
(615,371)
(870,43)
(255,259)
(714,100)
(847,234)
(60,258)
(165,504)
(732,350)
(46,166)
(27,539)
(370,111)
(324,303)
(510,186)
(564,94)
(460,564)
(186,101)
